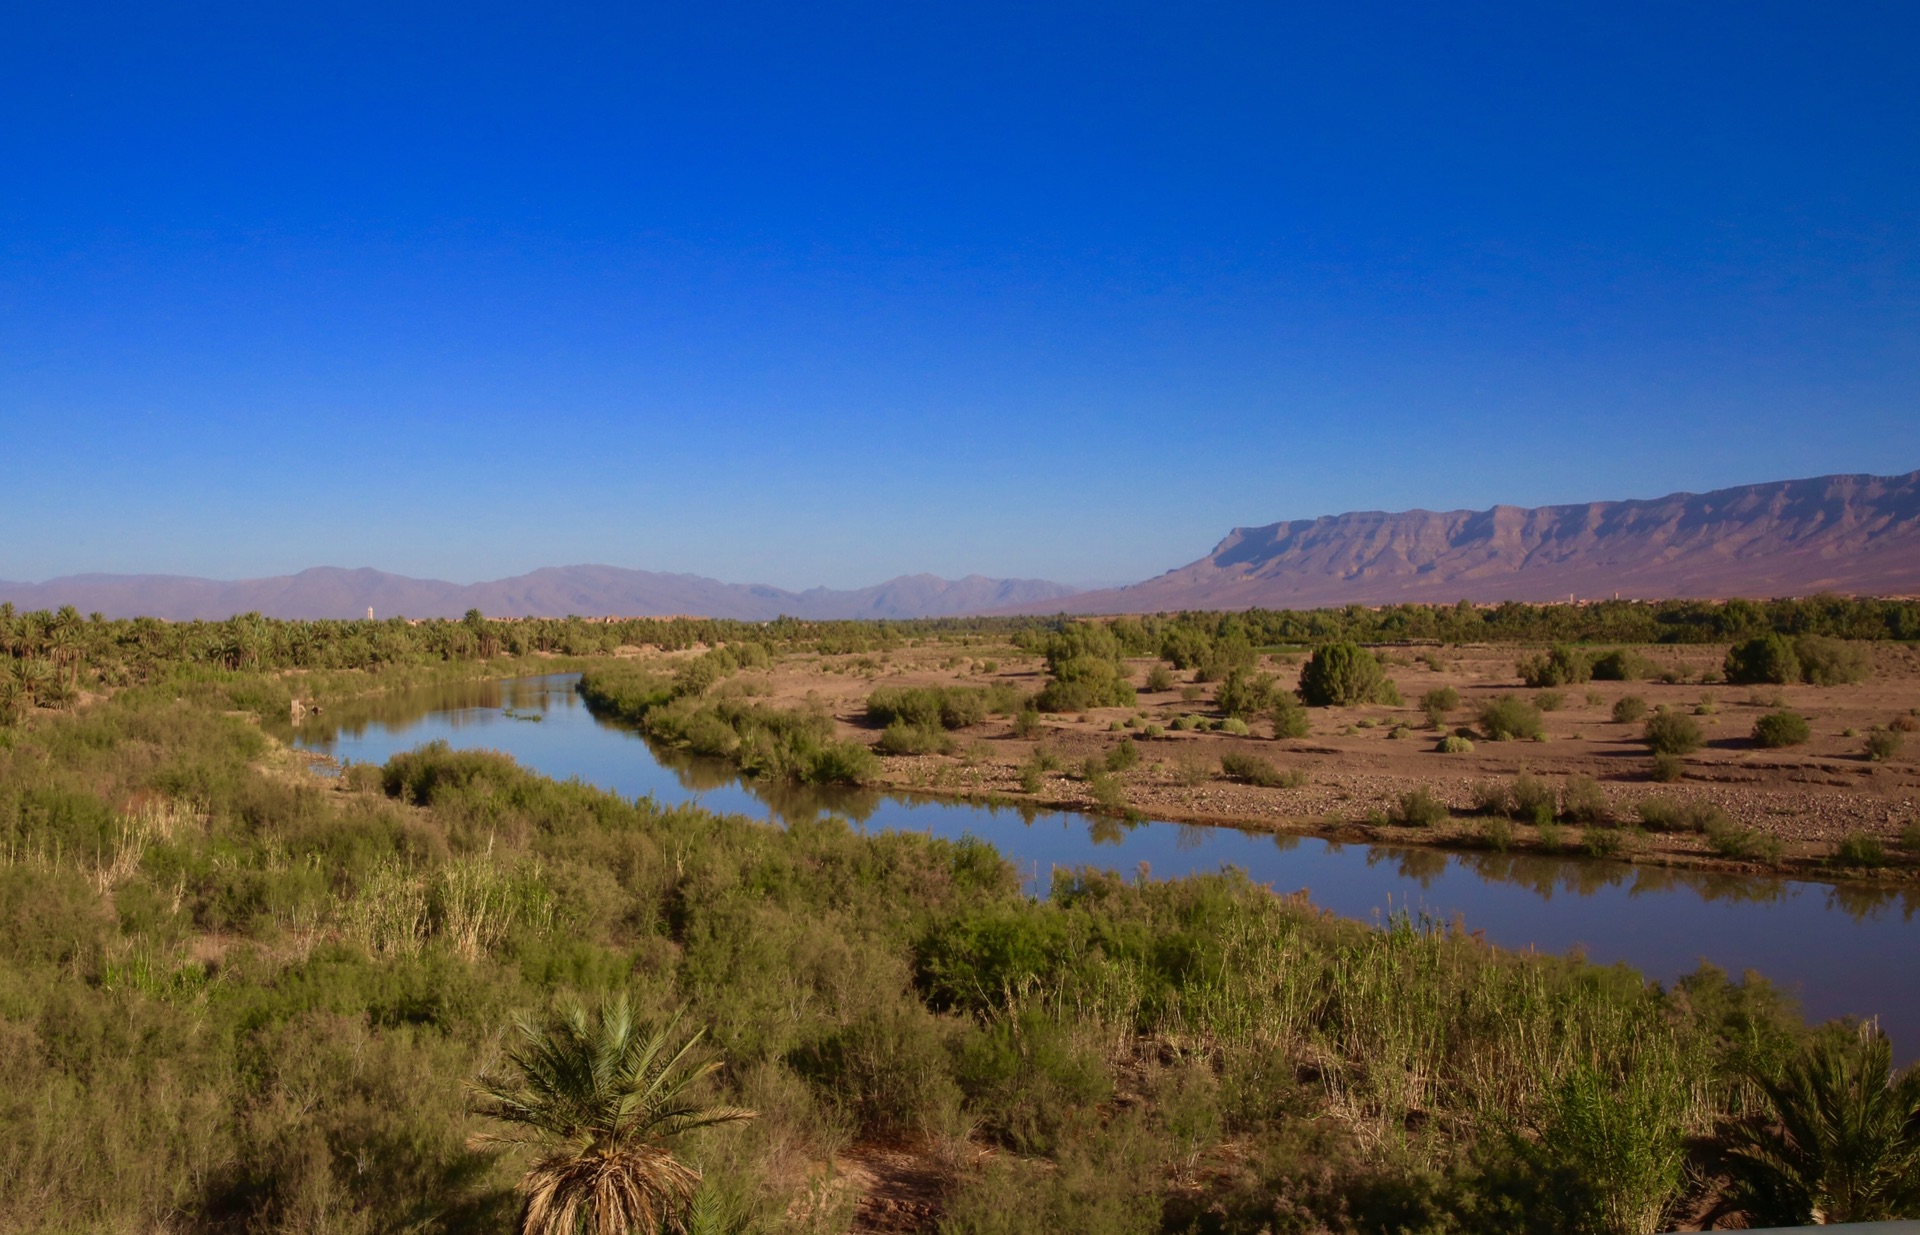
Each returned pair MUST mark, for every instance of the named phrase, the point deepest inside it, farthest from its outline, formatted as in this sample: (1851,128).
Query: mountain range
(330,592)
(1851,534)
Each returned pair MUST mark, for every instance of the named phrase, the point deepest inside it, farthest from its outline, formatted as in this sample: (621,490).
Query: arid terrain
(1357,762)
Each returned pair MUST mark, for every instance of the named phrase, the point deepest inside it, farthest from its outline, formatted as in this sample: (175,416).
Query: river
(1847,949)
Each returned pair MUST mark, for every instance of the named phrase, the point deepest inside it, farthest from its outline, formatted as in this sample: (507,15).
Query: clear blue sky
(822,294)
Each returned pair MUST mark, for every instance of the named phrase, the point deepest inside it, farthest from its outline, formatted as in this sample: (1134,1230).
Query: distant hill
(1849,534)
(330,592)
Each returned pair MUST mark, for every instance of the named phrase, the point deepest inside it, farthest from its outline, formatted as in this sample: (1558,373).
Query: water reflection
(1852,948)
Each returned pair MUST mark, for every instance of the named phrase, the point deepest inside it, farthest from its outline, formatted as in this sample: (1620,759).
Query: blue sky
(812,294)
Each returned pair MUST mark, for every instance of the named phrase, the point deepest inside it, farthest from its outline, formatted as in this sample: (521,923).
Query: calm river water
(1841,950)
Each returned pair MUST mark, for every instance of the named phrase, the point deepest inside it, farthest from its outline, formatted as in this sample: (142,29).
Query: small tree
(1289,718)
(606,1098)
(1766,659)
(1343,675)
(1783,728)
(1673,733)
(1560,666)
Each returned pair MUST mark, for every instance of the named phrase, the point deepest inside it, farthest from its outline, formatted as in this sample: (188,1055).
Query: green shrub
(1235,726)
(1666,815)
(1290,720)
(1777,729)
(1123,756)
(1026,723)
(1582,801)
(1533,800)
(1861,850)
(1603,842)
(1437,703)
(1628,709)
(1668,769)
(1672,733)
(1490,797)
(1244,693)
(901,738)
(953,707)
(1831,662)
(1765,659)
(1084,670)
(1509,718)
(1454,744)
(1344,675)
(1419,808)
(1729,840)
(1559,666)
(1622,665)
(1882,745)
(1549,700)
(1910,837)
(1252,770)
(1497,833)
(1159,678)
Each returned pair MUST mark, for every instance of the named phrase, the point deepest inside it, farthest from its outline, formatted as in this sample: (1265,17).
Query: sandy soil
(1809,796)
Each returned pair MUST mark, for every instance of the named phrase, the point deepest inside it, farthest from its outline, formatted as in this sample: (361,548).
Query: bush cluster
(1560,665)
(1783,728)
(1345,675)
(1509,718)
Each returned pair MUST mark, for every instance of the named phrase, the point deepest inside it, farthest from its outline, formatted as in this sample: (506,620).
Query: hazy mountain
(330,592)
(1856,534)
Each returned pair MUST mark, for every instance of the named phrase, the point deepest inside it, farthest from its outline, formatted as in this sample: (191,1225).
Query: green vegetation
(940,707)
(233,997)
(1882,744)
(1290,720)
(1244,693)
(1668,768)
(1628,709)
(1622,665)
(1345,675)
(1454,744)
(607,1100)
(1673,733)
(1830,662)
(1666,815)
(1858,849)
(762,741)
(1419,808)
(1782,728)
(1254,770)
(901,738)
(1509,718)
(1767,658)
(1159,678)
(1729,840)
(1836,1137)
(1084,670)
(1558,666)
(1438,704)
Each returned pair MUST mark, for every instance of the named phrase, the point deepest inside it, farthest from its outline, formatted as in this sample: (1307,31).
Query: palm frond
(605,1095)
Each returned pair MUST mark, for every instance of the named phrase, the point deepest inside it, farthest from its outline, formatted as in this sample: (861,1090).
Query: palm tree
(604,1097)
(1839,1141)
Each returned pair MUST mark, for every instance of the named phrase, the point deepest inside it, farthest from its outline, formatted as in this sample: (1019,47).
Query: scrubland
(238,996)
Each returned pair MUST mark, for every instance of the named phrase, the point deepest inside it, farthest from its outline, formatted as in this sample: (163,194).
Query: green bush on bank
(942,707)
(1345,675)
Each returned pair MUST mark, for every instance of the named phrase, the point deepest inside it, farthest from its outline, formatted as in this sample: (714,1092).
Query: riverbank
(1819,810)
